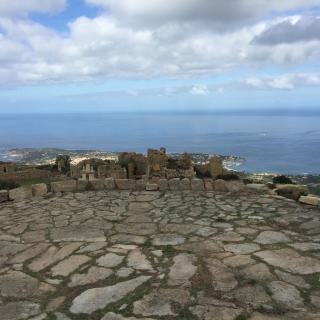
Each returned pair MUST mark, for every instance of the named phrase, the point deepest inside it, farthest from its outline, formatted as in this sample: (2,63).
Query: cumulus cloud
(110,46)
(23,7)
(289,31)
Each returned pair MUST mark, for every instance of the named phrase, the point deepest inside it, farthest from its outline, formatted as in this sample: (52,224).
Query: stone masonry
(183,254)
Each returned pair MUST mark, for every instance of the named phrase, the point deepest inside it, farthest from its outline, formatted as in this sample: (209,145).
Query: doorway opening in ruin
(5,170)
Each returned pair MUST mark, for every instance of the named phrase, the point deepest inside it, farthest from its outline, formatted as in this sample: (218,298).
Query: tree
(63,163)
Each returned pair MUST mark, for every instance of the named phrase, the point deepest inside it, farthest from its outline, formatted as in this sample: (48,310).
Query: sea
(275,143)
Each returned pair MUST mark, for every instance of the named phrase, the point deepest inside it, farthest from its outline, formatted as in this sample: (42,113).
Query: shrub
(8,185)
(228,177)
(282,180)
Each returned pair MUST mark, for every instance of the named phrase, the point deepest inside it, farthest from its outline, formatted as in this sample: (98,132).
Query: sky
(155,55)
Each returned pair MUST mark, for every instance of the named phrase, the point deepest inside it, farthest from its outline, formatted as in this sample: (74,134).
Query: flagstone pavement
(151,255)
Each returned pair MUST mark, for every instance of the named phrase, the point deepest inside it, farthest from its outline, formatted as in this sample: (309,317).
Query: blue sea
(280,143)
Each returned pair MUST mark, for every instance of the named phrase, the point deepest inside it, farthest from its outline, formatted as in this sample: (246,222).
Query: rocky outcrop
(311,200)
(291,191)
(21,193)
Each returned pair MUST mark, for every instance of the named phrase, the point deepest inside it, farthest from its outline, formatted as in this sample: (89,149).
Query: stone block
(208,184)
(39,190)
(185,184)
(292,191)
(313,201)
(21,193)
(174,184)
(96,185)
(64,186)
(125,184)
(82,185)
(4,196)
(257,187)
(163,184)
(235,186)
(141,184)
(197,185)
(220,185)
(216,166)
(109,184)
(152,187)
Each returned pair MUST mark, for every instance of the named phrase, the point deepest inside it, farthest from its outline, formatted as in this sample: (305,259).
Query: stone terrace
(150,255)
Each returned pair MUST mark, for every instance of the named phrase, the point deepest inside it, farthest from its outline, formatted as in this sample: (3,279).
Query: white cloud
(22,7)
(110,46)
(284,82)
(199,90)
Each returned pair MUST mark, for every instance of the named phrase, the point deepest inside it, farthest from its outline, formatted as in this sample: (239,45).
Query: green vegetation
(8,185)
(282,180)
(63,163)
(241,317)
(30,182)
(228,177)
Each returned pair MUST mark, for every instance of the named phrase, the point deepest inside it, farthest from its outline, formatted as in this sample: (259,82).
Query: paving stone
(127,238)
(229,237)
(52,256)
(29,253)
(98,298)
(182,270)
(159,302)
(259,272)
(168,239)
(55,303)
(292,279)
(77,234)
(238,261)
(215,312)
(290,261)
(19,310)
(18,284)
(206,231)
(110,260)
(137,260)
(34,236)
(93,275)
(306,246)
(285,294)
(271,237)
(141,229)
(243,248)
(67,266)
(140,206)
(253,296)
(124,272)
(92,247)
(222,277)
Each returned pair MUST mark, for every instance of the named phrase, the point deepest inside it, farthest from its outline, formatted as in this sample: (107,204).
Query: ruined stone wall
(6,168)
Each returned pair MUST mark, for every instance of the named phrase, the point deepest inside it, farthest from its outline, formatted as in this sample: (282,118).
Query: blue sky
(120,55)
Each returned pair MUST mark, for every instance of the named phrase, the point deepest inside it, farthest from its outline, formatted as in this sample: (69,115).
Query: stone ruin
(157,162)
(93,169)
(216,166)
(7,167)
(136,164)
(156,165)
